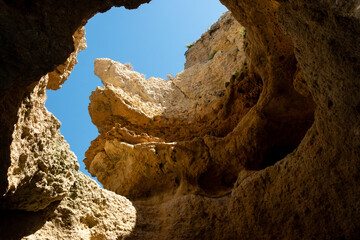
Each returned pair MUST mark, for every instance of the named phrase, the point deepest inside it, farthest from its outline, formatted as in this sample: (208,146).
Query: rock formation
(62,72)
(44,179)
(184,130)
(42,166)
(169,124)
(262,173)
(43,196)
(37,37)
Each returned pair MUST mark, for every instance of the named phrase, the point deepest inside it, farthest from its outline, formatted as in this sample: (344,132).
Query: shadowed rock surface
(43,196)
(288,181)
(37,37)
(42,165)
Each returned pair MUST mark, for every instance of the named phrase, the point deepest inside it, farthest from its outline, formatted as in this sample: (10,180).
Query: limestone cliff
(155,133)
(261,174)
(192,134)
(292,198)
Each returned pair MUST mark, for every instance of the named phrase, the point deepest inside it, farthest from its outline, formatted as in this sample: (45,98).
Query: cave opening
(308,190)
(233,90)
(131,42)
(152,39)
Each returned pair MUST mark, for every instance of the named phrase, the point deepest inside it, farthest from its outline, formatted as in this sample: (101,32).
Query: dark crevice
(215,183)
(16,224)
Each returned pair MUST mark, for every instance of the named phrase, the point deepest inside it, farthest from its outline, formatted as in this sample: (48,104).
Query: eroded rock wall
(37,37)
(310,193)
(300,50)
(169,124)
(46,192)
(43,196)
(42,166)
(200,132)
(62,72)
(87,212)
(313,192)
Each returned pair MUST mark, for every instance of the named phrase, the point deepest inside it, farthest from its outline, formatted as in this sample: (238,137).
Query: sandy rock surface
(37,37)
(155,133)
(42,166)
(274,156)
(89,212)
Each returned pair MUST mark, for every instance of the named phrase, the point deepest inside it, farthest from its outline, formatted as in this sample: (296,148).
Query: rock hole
(25,132)
(22,159)
(216,183)
(89,221)
(330,104)
(275,154)
(284,143)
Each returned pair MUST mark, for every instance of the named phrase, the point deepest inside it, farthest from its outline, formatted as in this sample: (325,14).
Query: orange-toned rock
(313,192)
(203,131)
(230,183)
(180,119)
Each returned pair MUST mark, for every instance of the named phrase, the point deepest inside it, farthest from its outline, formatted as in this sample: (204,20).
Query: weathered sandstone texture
(313,193)
(169,124)
(184,107)
(192,134)
(42,166)
(262,174)
(43,196)
(87,212)
(44,180)
(36,37)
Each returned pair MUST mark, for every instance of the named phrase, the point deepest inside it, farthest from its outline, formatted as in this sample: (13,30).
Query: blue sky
(152,38)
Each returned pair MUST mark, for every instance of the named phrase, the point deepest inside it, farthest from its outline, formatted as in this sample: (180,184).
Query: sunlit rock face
(87,212)
(42,166)
(181,108)
(245,165)
(310,193)
(155,133)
